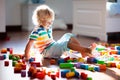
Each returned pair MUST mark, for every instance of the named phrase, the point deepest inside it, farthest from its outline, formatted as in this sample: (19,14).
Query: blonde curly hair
(42,14)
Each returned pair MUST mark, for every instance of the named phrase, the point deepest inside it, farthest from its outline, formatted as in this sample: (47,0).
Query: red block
(17,70)
(113,64)
(40,75)
(6,63)
(84,76)
(37,64)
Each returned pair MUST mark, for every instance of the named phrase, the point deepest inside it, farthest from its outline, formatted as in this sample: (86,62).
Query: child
(42,40)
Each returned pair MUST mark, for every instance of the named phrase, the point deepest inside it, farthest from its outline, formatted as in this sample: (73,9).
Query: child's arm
(27,49)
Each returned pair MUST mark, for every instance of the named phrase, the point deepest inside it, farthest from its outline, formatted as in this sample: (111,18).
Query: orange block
(102,67)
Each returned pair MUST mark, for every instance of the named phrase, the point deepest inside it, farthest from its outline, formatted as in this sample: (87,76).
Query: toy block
(2,57)
(118,66)
(6,63)
(31,60)
(84,76)
(118,52)
(117,47)
(67,58)
(61,61)
(89,78)
(10,50)
(23,66)
(77,65)
(37,64)
(100,62)
(66,65)
(102,67)
(68,61)
(63,73)
(97,68)
(10,57)
(84,66)
(70,74)
(90,59)
(5,56)
(23,73)
(58,74)
(108,64)
(53,76)
(77,75)
(81,60)
(40,75)
(14,63)
(113,64)
(91,68)
(4,50)
(17,69)
(113,52)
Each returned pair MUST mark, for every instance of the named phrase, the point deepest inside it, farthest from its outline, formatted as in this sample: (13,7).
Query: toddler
(42,40)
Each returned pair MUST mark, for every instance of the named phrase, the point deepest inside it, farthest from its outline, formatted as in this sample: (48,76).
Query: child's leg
(75,45)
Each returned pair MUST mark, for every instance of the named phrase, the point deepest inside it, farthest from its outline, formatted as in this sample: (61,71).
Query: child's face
(47,23)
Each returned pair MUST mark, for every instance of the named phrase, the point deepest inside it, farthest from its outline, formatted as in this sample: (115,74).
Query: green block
(14,63)
(66,65)
(100,62)
(10,57)
(89,78)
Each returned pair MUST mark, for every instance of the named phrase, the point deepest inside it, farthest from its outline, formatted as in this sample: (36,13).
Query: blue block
(63,73)
(97,68)
(84,66)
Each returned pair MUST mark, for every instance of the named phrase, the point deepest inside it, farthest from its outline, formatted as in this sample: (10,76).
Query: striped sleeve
(34,35)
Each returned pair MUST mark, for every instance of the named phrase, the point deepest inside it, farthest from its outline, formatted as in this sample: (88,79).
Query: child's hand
(87,52)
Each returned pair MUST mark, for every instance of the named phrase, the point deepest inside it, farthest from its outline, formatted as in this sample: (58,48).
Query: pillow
(59,24)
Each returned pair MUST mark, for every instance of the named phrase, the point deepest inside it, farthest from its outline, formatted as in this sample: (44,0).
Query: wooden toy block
(17,69)
(40,75)
(67,58)
(102,67)
(70,74)
(63,73)
(100,62)
(113,52)
(10,50)
(23,73)
(61,61)
(113,64)
(4,50)
(84,66)
(89,78)
(14,63)
(53,76)
(6,63)
(23,66)
(66,65)
(97,68)
(2,57)
(81,60)
(91,68)
(118,66)
(84,76)
(77,75)
(37,64)
(77,65)
(108,64)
